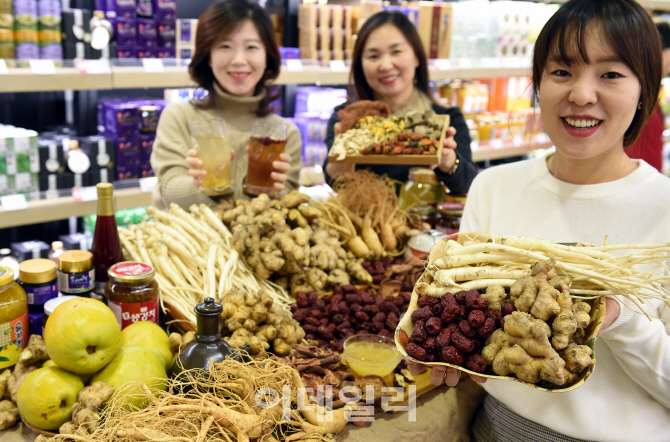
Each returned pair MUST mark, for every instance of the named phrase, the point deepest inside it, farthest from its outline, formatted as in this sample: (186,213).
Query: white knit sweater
(628,396)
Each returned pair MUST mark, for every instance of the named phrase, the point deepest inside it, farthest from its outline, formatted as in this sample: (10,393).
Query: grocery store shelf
(22,79)
(507,149)
(663,5)
(46,210)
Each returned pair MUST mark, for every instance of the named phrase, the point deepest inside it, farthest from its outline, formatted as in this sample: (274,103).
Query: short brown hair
(628,30)
(219,20)
(358,85)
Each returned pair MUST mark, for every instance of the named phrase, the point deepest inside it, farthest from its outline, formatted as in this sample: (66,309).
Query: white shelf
(135,77)
(507,149)
(46,210)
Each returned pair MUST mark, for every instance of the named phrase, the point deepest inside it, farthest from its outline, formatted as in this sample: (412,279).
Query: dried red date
(443,338)
(301,299)
(419,333)
(326,298)
(312,321)
(349,288)
(386,333)
(355,307)
(470,297)
(460,296)
(347,332)
(429,344)
(294,308)
(428,301)
(495,314)
(353,298)
(450,313)
(301,314)
(312,297)
(437,310)
(432,357)
(337,319)
(379,317)
(324,321)
(475,363)
(422,314)
(343,325)
(406,297)
(377,279)
(451,355)
(433,326)
(479,304)
(316,313)
(368,298)
(476,318)
(344,308)
(324,333)
(448,299)
(507,308)
(398,301)
(388,306)
(488,327)
(336,299)
(391,321)
(377,327)
(416,351)
(338,290)
(309,328)
(361,316)
(461,342)
(466,329)
(478,344)
(332,327)
(406,286)
(310,337)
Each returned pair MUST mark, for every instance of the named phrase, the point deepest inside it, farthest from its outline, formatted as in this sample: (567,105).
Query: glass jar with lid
(421,194)
(132,293)
(13,318)
(76,275)
(449,214)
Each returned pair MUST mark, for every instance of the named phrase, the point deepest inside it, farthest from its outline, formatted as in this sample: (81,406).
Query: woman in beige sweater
(235,57)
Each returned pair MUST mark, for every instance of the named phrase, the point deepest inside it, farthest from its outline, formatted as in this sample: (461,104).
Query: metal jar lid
(75,261)
(37,271)
(422,175)
(132,272)
(6,275)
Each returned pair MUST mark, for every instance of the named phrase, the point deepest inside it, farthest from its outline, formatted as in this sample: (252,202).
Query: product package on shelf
(30,250)
(166,33)
(26,36)
(165,10)
(147,34)
(125,30)
(19,162)
(76,25)
(185,32)
(121,8)
(76,241)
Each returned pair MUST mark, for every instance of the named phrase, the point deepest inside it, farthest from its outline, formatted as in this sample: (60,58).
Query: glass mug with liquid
(267,142)
(210,139)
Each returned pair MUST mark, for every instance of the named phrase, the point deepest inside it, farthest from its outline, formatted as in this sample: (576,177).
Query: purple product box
(145,52)
(165,52)
(289,53)
(127,158)
(100,5)
(167,33)
(49,13)
(120,120)
(52,51)
(25,12)
(146,147)
(121,8)
(165,9)
(126,52)
(147,34)
(126,32)
(185,53)
(186,30)
(27,51)
(145,8)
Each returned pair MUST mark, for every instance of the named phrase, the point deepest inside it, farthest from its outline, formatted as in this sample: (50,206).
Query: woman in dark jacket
(389,64)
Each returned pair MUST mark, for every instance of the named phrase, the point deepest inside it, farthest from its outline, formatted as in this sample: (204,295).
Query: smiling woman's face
(587,107)
(389,63)
(238,61)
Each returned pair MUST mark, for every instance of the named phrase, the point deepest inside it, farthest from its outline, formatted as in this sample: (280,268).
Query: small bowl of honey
(371,354)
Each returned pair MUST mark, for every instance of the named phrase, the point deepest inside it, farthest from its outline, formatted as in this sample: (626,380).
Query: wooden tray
(597,317)
(37,430)
(408,160)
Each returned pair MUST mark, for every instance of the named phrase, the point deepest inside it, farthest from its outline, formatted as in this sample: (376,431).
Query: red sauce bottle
(106,246)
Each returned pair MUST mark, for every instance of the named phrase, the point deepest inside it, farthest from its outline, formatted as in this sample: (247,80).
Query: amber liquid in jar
(262,152)
(13,319)
(132,293)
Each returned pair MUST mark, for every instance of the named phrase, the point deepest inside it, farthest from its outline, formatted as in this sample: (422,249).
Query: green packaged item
(6,43)
(124,218)
(26,152)
(4,185)
(140,214)
(89,223)
(24,183)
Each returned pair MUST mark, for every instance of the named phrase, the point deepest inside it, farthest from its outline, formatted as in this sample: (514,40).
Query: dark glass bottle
(106,247)
(207,345)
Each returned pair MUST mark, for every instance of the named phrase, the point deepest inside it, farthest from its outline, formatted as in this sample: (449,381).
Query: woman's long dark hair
(358,85)
(628,30)
(219,20)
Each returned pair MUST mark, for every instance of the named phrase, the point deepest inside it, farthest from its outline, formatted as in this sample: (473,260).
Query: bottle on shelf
(106,247)
(56,250)
(7,260)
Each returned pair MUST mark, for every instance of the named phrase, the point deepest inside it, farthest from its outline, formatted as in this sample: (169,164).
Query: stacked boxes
(77,34)
(131,124)
(185,38)
(325,31)
(19,161)
(49,29)
(26,37)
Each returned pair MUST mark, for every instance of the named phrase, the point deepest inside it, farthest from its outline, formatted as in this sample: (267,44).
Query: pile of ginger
(528,346)
(283,239)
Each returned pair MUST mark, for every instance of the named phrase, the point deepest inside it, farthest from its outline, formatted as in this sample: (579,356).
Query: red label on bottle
(132,269)
(129,313)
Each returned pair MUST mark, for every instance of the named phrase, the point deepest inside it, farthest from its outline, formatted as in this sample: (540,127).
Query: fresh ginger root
(534,294)
(564,325)
(84,418)
(35,352)
(9,414)
(20,373)
(95,395)
(582,310)
(495,295)
(356,269)
(527,368)
(4,377)
(577,357)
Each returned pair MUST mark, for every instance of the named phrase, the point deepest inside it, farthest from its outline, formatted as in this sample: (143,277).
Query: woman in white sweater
(596,73)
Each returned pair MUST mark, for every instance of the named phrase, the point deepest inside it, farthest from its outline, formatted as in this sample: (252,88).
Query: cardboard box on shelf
(30,250)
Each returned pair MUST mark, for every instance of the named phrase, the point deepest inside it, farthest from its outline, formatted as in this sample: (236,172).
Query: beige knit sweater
(175,185)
